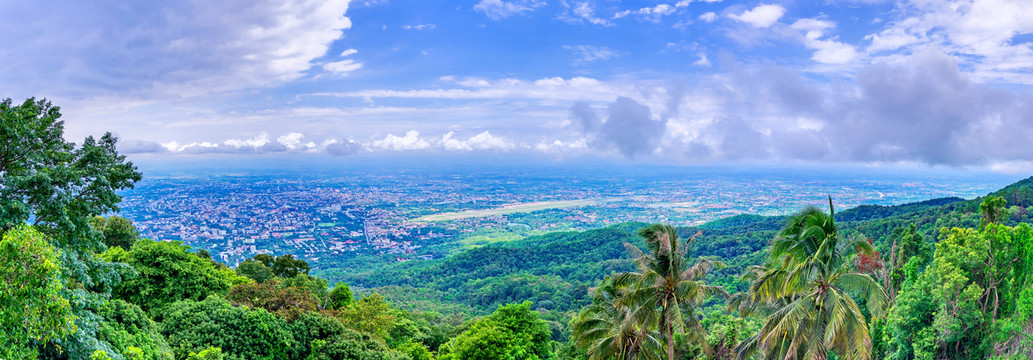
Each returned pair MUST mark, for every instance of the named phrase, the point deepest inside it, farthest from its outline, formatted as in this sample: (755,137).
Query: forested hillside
(940,279)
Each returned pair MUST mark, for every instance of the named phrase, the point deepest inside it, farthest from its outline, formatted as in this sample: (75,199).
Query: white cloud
(589,53)
(702,61)
(343,67)
(709,16)
(561,147)
(291,141)
(980,33)
(349,52)
(890,40)
(167,49)
(176,147)
(256,142)
(420,27)
(451,144)
(499,9)
(651,14)
(482,141)
(260,144)
(485,141)
(581,12)
(761,16)
(827,51)
(411,141)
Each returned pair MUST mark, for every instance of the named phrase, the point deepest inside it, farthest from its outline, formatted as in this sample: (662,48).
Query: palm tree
(664,287)
(607,331)
(806,291)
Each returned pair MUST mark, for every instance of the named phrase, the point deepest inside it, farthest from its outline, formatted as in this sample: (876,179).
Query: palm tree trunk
(670,341)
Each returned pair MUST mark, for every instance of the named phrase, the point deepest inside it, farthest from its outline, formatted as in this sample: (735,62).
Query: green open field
(512,209)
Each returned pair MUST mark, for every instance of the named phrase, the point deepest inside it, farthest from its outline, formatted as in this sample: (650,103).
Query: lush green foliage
(32,310)
(131,332)
(255,270)
(340,297)
(193,326)
(117,231)
(166,272)
(511,332)
(968,303)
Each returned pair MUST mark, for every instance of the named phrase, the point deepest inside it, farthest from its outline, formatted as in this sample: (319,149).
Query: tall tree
(665,290)
(58,187)
(808,289)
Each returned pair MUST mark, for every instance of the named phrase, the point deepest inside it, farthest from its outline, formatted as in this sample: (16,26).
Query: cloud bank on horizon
(933,82)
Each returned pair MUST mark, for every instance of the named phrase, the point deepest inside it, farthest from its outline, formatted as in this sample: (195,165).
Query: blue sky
(912,83)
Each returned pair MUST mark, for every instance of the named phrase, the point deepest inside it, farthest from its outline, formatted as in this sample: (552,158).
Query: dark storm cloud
(630,127)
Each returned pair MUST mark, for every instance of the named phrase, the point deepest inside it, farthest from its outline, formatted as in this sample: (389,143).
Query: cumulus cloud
(256,142)
(411,141)
(630,129)
(708,16)
(762,16)
(482,141)
(827,51)
(167,49)
(499,9)
(259,144)
(291,141)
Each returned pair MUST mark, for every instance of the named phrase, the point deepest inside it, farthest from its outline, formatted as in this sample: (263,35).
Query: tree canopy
(165,272)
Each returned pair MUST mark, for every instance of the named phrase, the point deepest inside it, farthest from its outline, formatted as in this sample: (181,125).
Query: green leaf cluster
(511,332)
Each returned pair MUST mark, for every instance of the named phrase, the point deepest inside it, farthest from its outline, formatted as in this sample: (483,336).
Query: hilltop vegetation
(940,279)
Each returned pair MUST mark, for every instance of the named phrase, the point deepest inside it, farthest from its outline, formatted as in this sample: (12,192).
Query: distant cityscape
(321,218)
